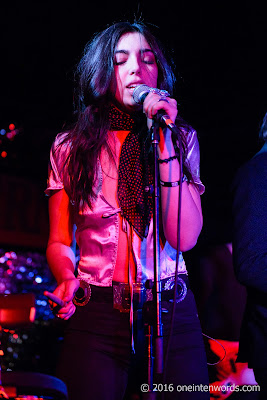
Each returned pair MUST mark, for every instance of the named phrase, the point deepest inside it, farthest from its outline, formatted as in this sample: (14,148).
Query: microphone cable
(177,255)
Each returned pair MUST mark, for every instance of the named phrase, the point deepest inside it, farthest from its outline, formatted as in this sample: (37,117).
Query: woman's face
(134,64)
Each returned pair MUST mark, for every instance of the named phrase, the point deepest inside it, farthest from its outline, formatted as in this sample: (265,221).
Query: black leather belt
(119,293)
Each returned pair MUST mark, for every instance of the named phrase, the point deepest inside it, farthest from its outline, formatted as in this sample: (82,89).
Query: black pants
(96,356)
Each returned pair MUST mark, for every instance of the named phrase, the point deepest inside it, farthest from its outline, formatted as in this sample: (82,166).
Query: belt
(119,293)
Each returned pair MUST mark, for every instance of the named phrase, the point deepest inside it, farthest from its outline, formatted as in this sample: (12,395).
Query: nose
(134,65)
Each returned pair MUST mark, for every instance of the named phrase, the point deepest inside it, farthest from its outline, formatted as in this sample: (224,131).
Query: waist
(99,258)
(120,293)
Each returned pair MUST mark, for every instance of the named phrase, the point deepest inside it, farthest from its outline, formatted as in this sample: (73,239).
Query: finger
(153,103)
(66,313)
(168,105)
(63,315)
(70,314)
(58,310)
(66,308)
(150,100)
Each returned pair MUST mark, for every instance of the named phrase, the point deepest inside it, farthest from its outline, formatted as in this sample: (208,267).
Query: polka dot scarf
(119,121)
(135,171)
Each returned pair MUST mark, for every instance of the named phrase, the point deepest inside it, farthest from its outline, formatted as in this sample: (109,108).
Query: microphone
(141,91)
(139,94)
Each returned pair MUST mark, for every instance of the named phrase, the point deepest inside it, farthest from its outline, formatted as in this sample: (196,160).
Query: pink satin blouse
(98,228)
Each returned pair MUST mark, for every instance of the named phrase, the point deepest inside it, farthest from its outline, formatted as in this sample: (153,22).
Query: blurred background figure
(250,257)
(221,302)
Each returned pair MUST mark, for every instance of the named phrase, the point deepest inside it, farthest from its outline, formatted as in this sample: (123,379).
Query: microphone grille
(139,91)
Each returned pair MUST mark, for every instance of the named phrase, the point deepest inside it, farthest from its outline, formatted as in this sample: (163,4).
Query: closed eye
(119,62)
(148,56)
(121,56)
(148,61)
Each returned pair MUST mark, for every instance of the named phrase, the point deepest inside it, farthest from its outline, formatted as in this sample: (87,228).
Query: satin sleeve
(57,176)
(193,159)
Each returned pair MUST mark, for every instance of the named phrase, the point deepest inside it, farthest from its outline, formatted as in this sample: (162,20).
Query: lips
(133,85)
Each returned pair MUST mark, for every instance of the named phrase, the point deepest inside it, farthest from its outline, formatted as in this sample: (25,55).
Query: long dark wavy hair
(93,94)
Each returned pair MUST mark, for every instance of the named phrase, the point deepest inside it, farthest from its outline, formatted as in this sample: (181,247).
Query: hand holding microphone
(141,92)
(157,104)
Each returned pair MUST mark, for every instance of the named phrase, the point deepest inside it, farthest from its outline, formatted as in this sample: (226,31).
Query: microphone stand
(152,317)
(156,308)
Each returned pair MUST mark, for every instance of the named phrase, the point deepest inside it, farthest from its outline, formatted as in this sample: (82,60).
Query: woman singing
(101,183)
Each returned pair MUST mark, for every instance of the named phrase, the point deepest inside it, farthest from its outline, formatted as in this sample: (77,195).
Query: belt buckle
(125,298)
(181,288)
(121,299)
(122,296)
(83,294)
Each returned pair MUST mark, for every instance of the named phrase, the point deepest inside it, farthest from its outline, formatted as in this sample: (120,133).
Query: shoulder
(190,139)
(192,143)
(60,148)
(193,157)
(61,142)
(57,169)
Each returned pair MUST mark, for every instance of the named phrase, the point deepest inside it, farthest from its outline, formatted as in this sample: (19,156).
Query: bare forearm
(191,215)
(61,261)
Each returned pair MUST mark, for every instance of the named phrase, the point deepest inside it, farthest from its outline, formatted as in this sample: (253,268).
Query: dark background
(218,47)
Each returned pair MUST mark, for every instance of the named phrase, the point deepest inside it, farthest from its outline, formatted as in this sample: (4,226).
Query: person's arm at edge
(60,255)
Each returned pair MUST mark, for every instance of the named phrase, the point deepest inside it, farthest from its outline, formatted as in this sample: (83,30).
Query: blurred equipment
(18,310)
